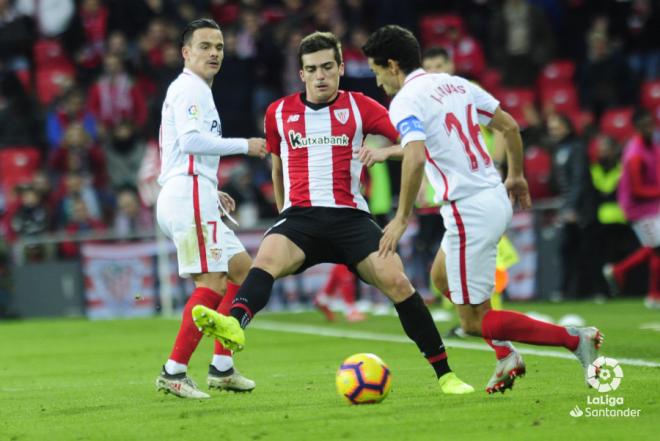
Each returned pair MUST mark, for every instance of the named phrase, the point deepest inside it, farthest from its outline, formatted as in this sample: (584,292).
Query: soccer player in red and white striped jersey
(316,139)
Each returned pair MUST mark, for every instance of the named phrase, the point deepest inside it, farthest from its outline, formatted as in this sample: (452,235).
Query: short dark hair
(319,41)
(393,42)
(191,27)
(436,51)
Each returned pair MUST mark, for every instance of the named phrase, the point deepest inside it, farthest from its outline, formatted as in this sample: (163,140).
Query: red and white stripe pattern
(319,147)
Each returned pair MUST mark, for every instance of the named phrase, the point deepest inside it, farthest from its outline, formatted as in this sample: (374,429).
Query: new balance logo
(293,118)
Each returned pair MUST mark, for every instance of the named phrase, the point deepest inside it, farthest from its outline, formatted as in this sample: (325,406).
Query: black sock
(252,296)
(419,326)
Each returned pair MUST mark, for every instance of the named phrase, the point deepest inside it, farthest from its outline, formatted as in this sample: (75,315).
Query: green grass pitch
(72,379)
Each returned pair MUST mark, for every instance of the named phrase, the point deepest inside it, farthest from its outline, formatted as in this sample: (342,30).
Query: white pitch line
(362,335)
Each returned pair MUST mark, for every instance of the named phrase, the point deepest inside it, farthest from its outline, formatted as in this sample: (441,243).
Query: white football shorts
(474,226)
(648,231)
(187,212)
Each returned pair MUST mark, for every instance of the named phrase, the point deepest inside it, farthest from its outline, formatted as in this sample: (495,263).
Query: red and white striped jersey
(319,147)
(445,111)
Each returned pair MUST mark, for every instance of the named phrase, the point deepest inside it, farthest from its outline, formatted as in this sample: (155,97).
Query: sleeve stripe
(485,113)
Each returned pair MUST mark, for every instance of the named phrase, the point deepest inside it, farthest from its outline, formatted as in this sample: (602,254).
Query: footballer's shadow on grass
(84,410)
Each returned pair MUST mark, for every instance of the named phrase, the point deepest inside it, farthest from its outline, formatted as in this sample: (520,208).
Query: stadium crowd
(82,84)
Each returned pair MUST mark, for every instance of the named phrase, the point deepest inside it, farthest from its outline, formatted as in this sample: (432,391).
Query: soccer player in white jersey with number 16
(188,211)
(437,117)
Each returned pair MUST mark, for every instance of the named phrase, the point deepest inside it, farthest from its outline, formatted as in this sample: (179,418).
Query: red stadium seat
(538,170)
(561,98)
(580,119)
(618,123)
(650,95)
(435,27)
(515,102)
(491,80)
(557,72)
(18,165)
(49,81)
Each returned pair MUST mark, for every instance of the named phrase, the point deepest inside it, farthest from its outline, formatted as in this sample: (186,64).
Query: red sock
(347,286)
(334,278)
(654,283)
(223,308)
(637,258)
(188,337)
(502,349)
(514,326)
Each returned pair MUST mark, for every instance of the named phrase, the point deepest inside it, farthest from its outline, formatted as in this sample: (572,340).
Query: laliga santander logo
(604,374)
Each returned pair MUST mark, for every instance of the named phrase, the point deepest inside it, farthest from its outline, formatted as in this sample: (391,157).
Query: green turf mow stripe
(360,335)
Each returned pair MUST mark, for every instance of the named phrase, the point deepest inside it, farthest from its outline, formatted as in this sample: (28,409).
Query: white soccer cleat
(180,385)
(587,351)
(231,380)
(506,371)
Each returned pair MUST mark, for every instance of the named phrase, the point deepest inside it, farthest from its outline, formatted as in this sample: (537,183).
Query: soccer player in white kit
(438,116)
(188,209)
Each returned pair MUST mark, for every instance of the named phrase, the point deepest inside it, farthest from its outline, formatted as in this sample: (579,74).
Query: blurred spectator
(19,123)
(94,18)
(133,17)
(115,97)
(357,74)
(604,80)
(577,210)
(291,71)
(151,44)
(79,154)
(521,42)
(232,91)
(131,216)
(118,45)
(251,204)
(172,67)
(70,109)
(465,51)
(16,37)
(437,59)
(74,186)
(642,39)
(30,219)
(124,151)
(80,222)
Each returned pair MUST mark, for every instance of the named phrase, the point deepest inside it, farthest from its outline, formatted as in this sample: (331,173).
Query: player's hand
(391,235)
(257,147)
(228,203)
(371,155)
(518,191)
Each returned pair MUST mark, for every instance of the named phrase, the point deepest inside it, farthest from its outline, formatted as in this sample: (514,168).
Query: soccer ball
(364,379)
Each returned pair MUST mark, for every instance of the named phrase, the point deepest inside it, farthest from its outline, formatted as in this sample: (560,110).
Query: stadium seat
(434,28)
(580,119)
(515,101)
(491,80)
(18,165)
(561,98)
(49,81)
(538,170)
(618,123)
(650,95)
(557,72)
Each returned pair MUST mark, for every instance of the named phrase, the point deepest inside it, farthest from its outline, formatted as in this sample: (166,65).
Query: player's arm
(278,181)
(375,120)
(515,182)
(412,172)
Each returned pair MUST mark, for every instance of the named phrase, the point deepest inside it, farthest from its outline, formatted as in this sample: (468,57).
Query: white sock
(173,368)
(222,362)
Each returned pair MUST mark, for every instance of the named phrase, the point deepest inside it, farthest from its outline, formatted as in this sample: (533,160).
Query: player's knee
(268,264)
(397,286)
(471,326)
(439,279)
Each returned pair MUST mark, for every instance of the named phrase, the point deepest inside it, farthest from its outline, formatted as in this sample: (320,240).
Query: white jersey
(445,111)
(188,107)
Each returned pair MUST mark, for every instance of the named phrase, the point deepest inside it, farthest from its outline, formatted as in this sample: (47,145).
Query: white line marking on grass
(650,326)
(363,335)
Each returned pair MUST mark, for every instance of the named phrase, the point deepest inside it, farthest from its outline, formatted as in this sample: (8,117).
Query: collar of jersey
(194,75)
(414,74)
(319,106)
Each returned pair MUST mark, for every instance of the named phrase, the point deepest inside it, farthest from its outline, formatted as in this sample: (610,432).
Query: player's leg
(616,273)
(277,257)
(386,274)
(322,298)
(222,373)
(653,298)
(178,202)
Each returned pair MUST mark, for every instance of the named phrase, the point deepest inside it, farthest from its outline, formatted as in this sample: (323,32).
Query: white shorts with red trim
(187,212)
(474,226)
(648,230)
